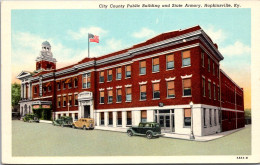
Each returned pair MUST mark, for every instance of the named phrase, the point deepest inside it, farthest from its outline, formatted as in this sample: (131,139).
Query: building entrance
(166,119)
(86,111)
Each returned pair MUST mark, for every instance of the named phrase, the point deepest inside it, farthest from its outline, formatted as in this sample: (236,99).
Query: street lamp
(191,129)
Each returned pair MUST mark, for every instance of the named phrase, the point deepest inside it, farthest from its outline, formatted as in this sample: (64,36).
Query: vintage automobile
(63,121)
(84,123)
(149,129)
(31,118)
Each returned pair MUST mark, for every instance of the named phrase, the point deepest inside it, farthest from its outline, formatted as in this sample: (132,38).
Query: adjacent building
(174,79)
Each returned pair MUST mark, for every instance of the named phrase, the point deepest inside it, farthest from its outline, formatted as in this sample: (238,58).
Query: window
(210,116)
(128,71)
(187,117)
(156,64)
(110,96)
(75,82)
(209,88)
(44,89)
(64,101)
(142,92)
(101,76)
(203,87)
(35,89)
(119,118)
(58,86)
(128,94)
(186,87)
(170,61)
(170,89)
(76,116)
(118,73)
(109,75)
(75,99)
(186,58)
(64,85)
(119,95)
(204,117)
(142,66)
(143,116)
(102,121)
(202,60)
(218,94)
(70,83)
(215,117)
(86,80)
(213,68)
(58,101)
(110,116)
(129,118)
(102,98)
(49,88)
(214,90)
(209,64)
(70,100)
(156,90)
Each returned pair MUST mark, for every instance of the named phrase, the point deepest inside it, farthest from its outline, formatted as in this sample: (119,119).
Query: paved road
(40,139)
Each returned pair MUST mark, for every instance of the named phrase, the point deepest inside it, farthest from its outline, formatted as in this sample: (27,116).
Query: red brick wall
(43,64)
(177,72)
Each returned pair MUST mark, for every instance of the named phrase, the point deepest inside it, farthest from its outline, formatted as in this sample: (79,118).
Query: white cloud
(217,35)
(237,49)
(144,33)
(83,32)
(26,47)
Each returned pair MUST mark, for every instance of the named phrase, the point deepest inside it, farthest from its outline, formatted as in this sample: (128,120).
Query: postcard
(129,82)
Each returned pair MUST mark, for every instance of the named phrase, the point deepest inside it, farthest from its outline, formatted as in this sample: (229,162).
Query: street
(41,139)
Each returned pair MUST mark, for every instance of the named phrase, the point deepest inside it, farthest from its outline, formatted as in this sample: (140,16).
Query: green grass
(39,139)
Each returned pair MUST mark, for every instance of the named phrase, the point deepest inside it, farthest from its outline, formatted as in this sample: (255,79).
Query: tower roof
(46,43)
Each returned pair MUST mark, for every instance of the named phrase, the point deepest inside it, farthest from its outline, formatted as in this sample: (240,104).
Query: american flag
(93,38)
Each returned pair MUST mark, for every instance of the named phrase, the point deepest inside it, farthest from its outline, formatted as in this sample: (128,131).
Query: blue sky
(67,30)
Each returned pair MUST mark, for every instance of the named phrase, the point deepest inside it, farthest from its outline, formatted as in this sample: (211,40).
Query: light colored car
(84,123)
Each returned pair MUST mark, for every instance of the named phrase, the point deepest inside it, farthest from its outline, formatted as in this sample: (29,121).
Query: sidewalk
(177,136)
(46,121)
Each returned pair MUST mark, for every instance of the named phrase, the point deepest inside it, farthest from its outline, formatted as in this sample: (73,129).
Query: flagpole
(88,45)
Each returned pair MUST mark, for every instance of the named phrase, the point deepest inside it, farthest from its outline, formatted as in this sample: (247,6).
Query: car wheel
(84,127)
(129,133)
(149,135)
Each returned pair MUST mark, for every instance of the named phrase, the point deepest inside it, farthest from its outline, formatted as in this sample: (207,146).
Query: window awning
(48,84)
(68,81)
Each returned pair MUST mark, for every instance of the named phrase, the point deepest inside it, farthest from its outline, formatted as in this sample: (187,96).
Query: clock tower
(45,60)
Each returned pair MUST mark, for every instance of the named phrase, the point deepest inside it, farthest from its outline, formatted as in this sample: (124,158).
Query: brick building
(173,78)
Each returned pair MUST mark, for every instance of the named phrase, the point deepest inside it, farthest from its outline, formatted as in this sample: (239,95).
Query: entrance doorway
(86,111)
(166,119)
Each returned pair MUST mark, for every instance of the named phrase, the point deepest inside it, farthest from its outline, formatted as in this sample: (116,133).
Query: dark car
(63,121)
(31,118)
(149,129)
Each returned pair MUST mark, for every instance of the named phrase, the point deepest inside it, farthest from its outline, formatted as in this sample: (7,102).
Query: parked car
(63,121)
(31,118)
(149,129)
(84,123)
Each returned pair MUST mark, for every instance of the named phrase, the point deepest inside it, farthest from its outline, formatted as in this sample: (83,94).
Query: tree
(247,113)
(16,94)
